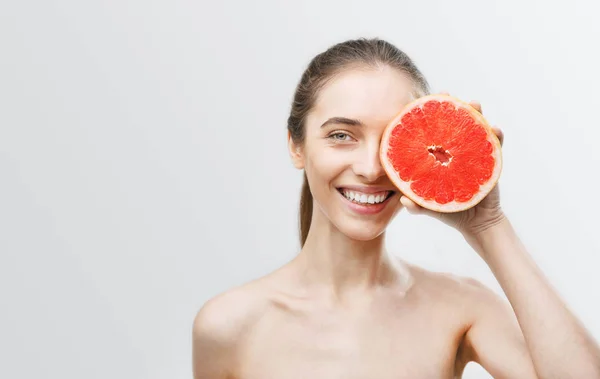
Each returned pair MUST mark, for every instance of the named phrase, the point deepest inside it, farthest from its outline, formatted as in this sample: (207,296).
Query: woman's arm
(212,344)
(218,328)
(558,344)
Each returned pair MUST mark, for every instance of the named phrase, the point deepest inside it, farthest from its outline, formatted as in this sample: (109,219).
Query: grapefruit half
(441,153)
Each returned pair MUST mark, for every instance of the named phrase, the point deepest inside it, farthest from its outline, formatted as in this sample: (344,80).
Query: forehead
(373,95)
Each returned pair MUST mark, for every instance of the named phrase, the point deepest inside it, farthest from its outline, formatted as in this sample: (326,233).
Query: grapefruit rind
(404,187)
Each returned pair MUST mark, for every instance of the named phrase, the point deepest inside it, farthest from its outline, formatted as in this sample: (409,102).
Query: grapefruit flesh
(441,153)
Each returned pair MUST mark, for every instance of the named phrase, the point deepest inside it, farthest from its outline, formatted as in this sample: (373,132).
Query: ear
(296,153)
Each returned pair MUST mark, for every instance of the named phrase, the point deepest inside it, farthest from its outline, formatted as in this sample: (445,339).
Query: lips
(366,200)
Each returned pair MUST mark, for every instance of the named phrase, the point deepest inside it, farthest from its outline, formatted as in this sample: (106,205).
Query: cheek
(327,163)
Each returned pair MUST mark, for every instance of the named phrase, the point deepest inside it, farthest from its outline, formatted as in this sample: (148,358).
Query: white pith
(365,198)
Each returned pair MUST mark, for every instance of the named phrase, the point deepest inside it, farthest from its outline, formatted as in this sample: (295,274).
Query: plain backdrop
(143,161)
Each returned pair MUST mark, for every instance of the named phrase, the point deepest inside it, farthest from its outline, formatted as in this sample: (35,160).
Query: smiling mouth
(365,198)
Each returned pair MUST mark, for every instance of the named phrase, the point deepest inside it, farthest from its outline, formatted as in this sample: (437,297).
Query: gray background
(144,166)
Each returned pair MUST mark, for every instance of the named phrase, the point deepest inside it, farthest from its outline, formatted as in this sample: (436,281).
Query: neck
(341,266)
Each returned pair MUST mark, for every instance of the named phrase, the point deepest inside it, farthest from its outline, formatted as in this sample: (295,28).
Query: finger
(499,133)
(477,105)
(416,209)
(410,205)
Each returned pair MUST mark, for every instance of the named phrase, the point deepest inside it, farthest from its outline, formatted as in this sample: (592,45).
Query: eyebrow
(343,120)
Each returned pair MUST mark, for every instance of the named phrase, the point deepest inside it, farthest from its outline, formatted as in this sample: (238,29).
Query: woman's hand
(476,219)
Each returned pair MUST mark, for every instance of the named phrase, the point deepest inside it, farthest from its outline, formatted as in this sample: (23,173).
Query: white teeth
(365,198)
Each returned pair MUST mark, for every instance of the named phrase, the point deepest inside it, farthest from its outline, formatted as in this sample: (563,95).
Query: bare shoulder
(457,289)
(488,325)
(226,315)
(220,324)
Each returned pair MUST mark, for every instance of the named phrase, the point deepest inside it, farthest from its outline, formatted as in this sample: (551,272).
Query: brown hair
(372,52)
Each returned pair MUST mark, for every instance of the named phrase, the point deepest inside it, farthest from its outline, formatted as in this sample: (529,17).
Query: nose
(368,165)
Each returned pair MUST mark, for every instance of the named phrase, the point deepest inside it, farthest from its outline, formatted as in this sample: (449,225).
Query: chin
(362,231)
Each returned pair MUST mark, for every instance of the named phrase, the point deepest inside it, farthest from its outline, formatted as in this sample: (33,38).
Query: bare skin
(346,308)
(281,329)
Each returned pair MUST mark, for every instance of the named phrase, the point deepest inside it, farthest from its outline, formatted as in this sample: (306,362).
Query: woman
(346,308)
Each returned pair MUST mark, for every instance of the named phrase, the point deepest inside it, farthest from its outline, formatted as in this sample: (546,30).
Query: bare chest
(371,345)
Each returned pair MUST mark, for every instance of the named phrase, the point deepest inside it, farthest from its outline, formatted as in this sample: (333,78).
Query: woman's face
(341,150)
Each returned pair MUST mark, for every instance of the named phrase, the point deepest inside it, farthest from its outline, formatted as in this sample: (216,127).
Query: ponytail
(306,205)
